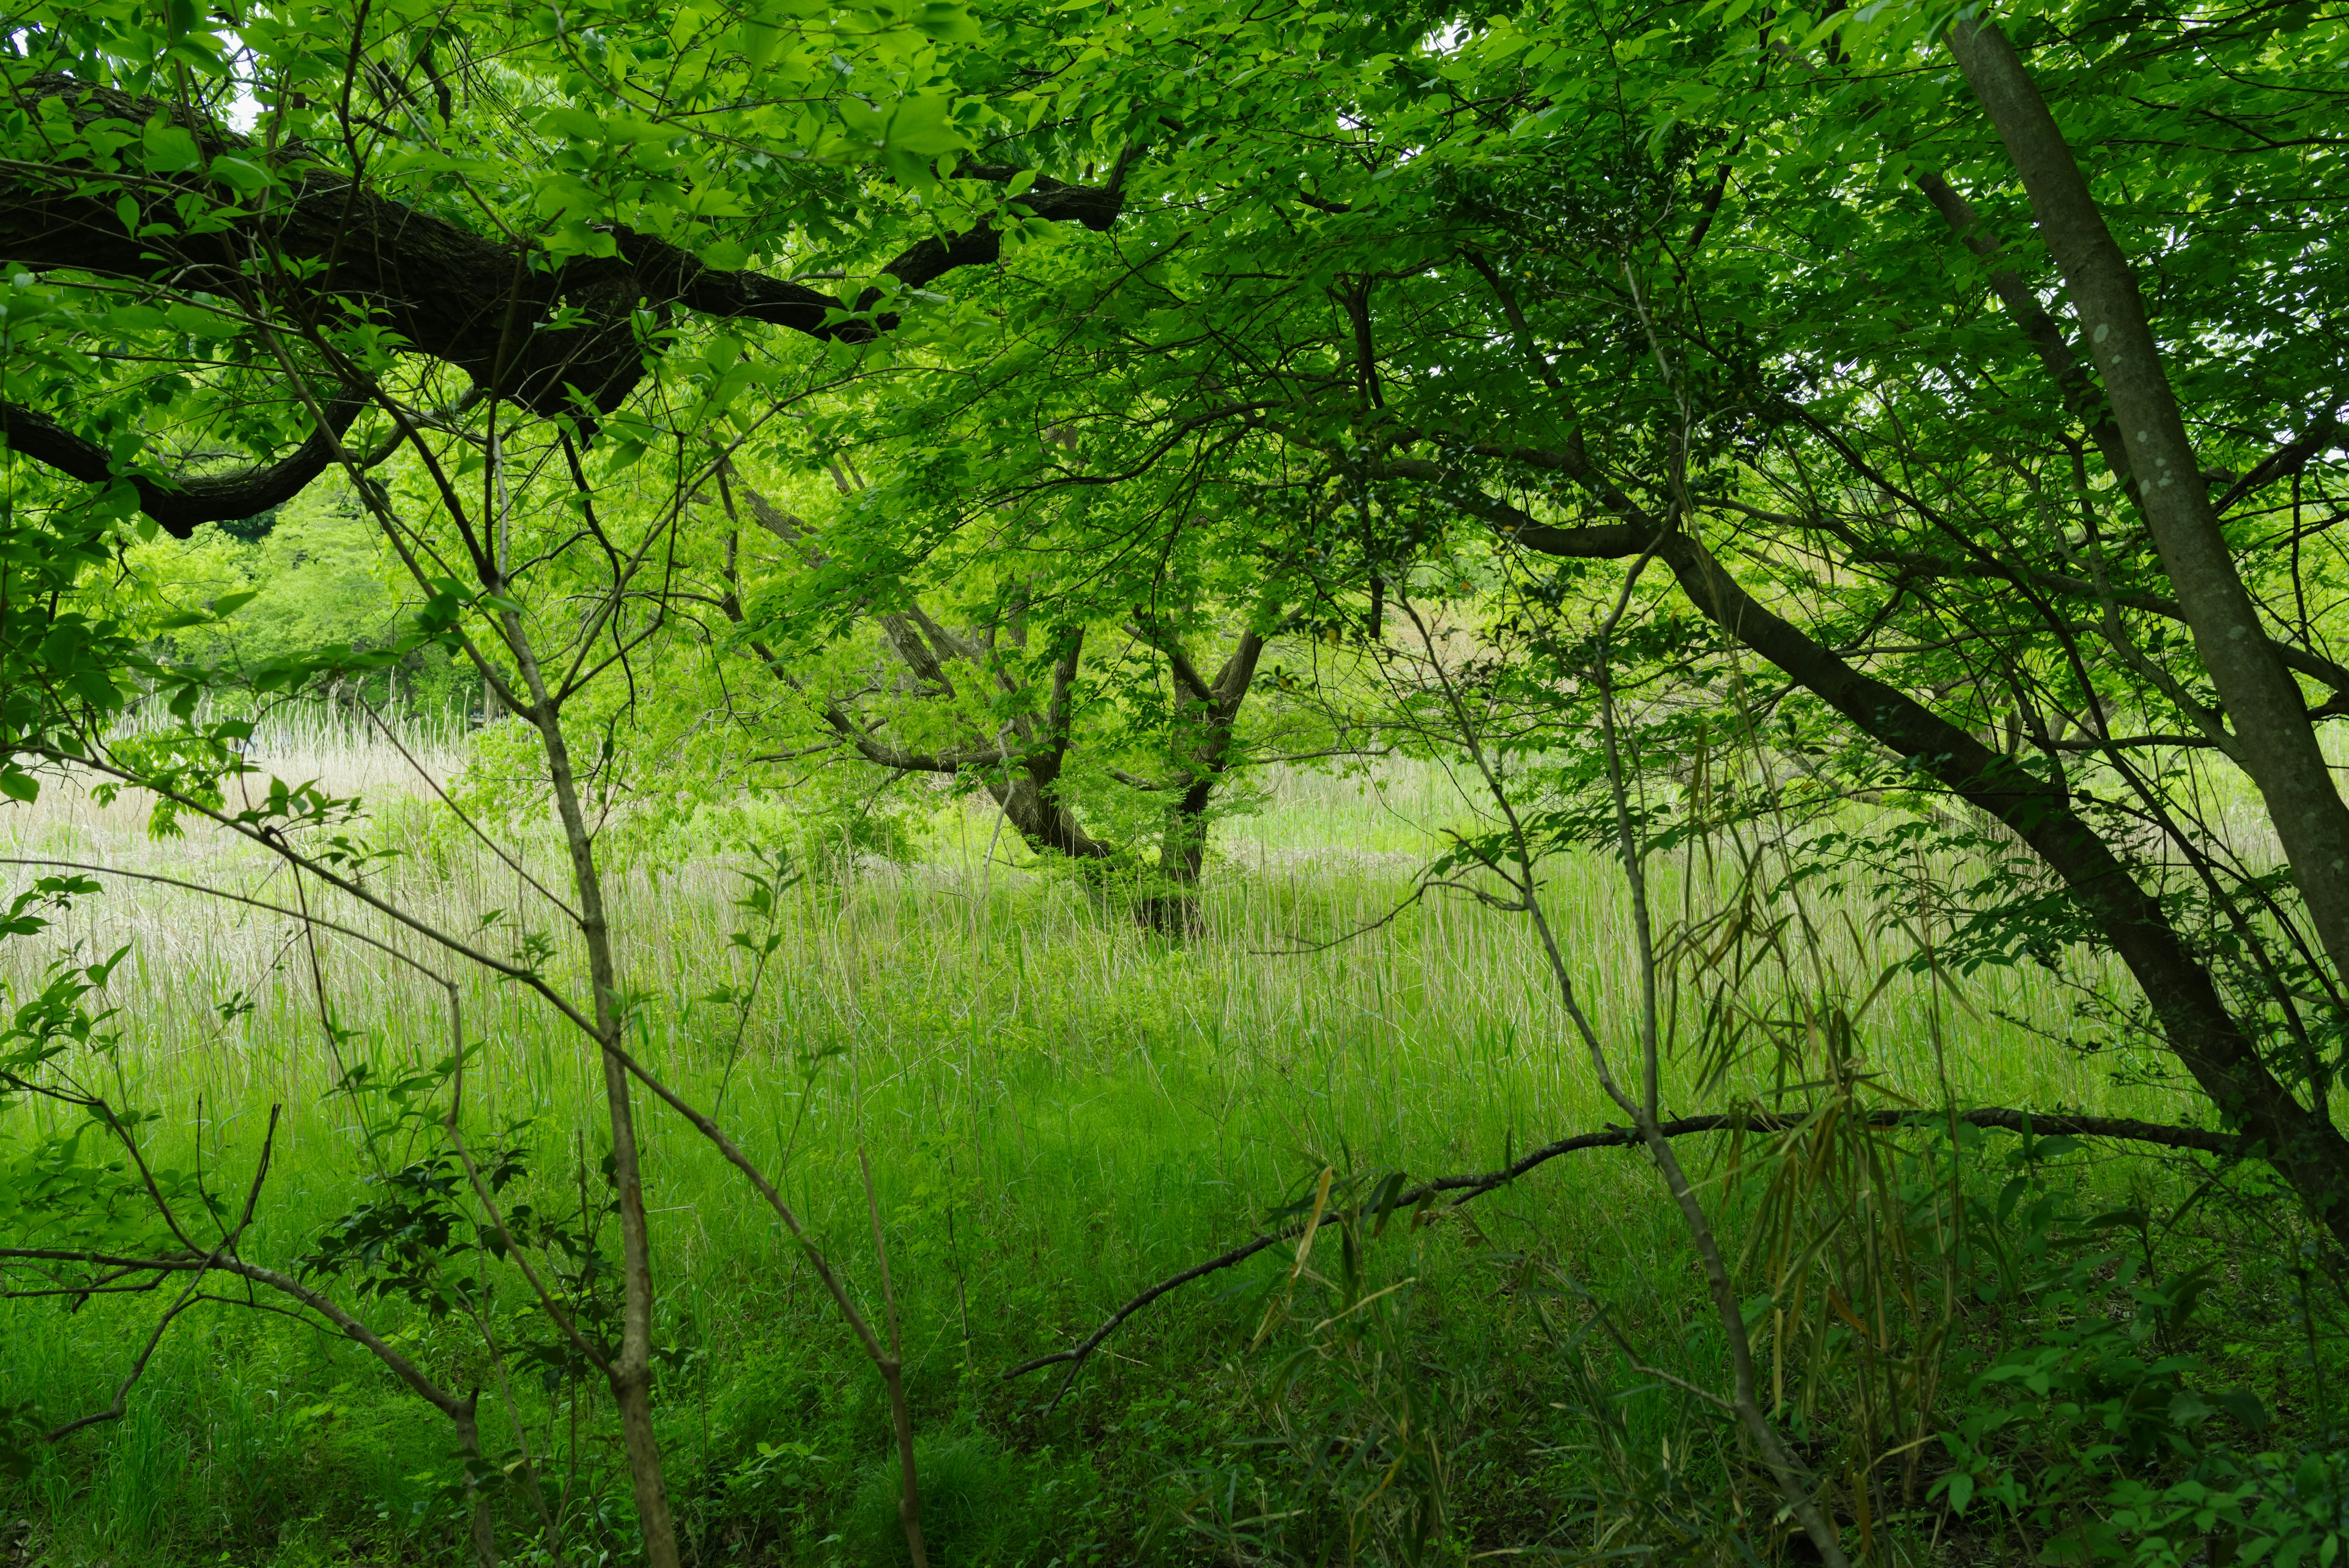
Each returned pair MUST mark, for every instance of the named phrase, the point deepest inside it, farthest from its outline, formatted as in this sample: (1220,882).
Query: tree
(183,286)
(1334,302)
(1571,277)
(1007,701)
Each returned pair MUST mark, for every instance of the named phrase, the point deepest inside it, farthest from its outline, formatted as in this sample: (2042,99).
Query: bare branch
(2230,1145)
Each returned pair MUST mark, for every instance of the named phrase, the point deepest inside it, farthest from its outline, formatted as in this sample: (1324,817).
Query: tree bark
(453,295)
(1211,710)
(2264,703)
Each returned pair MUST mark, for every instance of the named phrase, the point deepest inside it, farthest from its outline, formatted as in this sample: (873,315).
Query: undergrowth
(2135,1355)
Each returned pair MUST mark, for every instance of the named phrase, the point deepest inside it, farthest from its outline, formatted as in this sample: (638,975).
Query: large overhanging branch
(485,305)
(180,504)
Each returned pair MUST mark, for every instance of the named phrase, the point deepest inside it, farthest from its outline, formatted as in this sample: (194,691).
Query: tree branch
(2207,1038)
(180,504)
(450,294)
(1476,1184)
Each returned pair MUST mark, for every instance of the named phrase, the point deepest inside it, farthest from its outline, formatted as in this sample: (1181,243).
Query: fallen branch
(1476,1184)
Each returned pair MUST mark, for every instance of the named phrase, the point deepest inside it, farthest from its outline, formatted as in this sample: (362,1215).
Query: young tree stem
(631,1372)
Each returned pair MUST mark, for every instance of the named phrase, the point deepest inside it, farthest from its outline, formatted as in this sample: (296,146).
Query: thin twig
(459,812)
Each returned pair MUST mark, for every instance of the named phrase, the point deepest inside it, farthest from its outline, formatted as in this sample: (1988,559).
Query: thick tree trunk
(1029,792)
(2273,737)
(1211,709)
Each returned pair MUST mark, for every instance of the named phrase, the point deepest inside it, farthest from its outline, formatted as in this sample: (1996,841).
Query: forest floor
(1059,1108)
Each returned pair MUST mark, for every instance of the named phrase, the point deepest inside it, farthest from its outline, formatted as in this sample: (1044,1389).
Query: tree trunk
(2275,741)
(631,1370)
(1173,909)
(484,1528)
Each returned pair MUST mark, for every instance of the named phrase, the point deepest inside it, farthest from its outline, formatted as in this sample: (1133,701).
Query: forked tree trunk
(1021,764)
(1212,710)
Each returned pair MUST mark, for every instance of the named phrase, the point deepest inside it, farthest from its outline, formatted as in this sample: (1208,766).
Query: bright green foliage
(318,580)
(1668,415)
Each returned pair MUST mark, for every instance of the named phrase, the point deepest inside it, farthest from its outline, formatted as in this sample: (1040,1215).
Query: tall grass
(1059,1105)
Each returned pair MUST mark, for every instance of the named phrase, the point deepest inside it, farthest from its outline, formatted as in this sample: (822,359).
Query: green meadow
(1059,1108)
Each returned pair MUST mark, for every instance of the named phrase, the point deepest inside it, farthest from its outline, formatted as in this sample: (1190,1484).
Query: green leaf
(575,123)
(756,42)
(198,322)
(241,175)
(170,148)
(2245,1406)
(921,126)
(947,22)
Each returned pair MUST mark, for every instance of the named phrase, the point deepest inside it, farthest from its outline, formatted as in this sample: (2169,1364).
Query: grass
(1058,1107)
